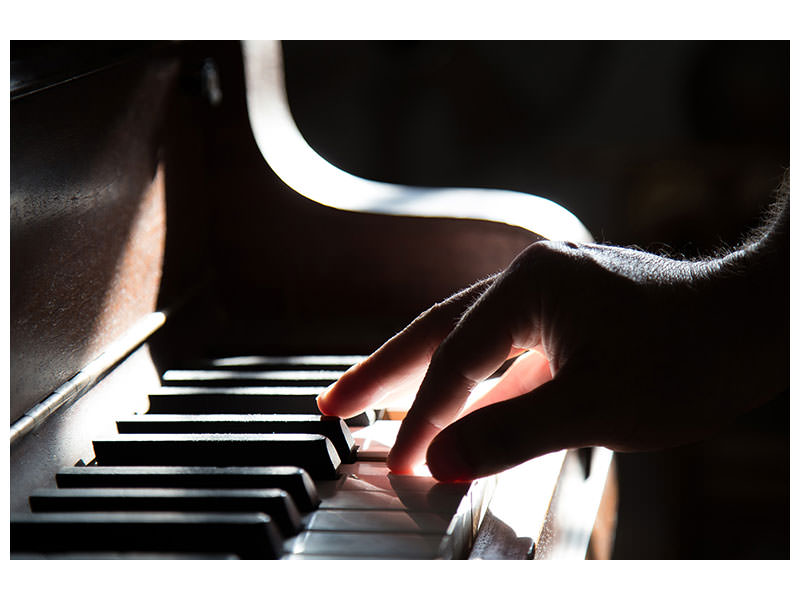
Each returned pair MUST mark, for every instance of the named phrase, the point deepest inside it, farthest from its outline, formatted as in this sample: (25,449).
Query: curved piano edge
(288,154)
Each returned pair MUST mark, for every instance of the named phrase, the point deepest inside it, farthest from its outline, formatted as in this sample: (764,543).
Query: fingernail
(447,462)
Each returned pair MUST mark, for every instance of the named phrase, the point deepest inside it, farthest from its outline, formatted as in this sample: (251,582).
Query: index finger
(399,365)
(504,318)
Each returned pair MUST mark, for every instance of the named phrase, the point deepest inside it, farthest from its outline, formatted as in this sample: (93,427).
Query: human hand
(631,351)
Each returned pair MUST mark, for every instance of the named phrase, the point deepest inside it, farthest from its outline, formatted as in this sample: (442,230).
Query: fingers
(528,372)
(494,438)
(398,367)
(504,318)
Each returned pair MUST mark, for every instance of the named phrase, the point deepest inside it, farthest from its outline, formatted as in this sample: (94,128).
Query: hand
(629,350)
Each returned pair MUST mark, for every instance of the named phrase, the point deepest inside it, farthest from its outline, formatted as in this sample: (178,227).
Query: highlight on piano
(167,388)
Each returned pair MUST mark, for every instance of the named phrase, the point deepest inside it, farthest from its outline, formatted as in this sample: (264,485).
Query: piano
(186,275)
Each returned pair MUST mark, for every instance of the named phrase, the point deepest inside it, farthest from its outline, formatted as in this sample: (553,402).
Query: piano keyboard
(233,460)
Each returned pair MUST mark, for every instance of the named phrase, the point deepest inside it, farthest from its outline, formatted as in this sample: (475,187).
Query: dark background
(671,146)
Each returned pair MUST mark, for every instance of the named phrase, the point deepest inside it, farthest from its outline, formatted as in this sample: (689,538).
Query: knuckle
(544,269)
(545,258)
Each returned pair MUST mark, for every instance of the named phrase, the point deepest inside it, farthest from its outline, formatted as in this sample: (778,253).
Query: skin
(616,347)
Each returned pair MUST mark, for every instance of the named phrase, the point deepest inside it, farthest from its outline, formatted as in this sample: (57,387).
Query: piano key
(375,476)
(376,440)
(331,427)
(364,419)
(244,400)
(293,480)
(385,521)
(369,476)
(367,487)
(305,361)
(392,492)
(231,378)
(275,503)
(235,400)
(314,453)
(370,545)
(446,503)
(248,535)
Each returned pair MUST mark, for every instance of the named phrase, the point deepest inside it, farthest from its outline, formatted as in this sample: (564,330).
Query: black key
(248,535)
(230,378)
(362,419)
(233,400)
(332,428)
(295,481)
(308,361)
(275,503)
(244,401)
(314,453)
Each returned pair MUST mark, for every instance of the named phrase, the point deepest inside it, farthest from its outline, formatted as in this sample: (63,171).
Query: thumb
(558,414)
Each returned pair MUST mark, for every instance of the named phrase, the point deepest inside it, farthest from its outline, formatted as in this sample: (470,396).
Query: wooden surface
(87,220)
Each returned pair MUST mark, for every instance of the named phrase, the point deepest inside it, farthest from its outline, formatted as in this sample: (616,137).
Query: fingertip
(447,462)
(341,399)
(398,466)
(324,409)
(408,451)
(324,404)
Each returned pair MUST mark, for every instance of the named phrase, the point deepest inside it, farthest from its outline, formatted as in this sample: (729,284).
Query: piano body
(185,274)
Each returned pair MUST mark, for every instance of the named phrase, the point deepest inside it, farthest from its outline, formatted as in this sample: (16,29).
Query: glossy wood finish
(87,219)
